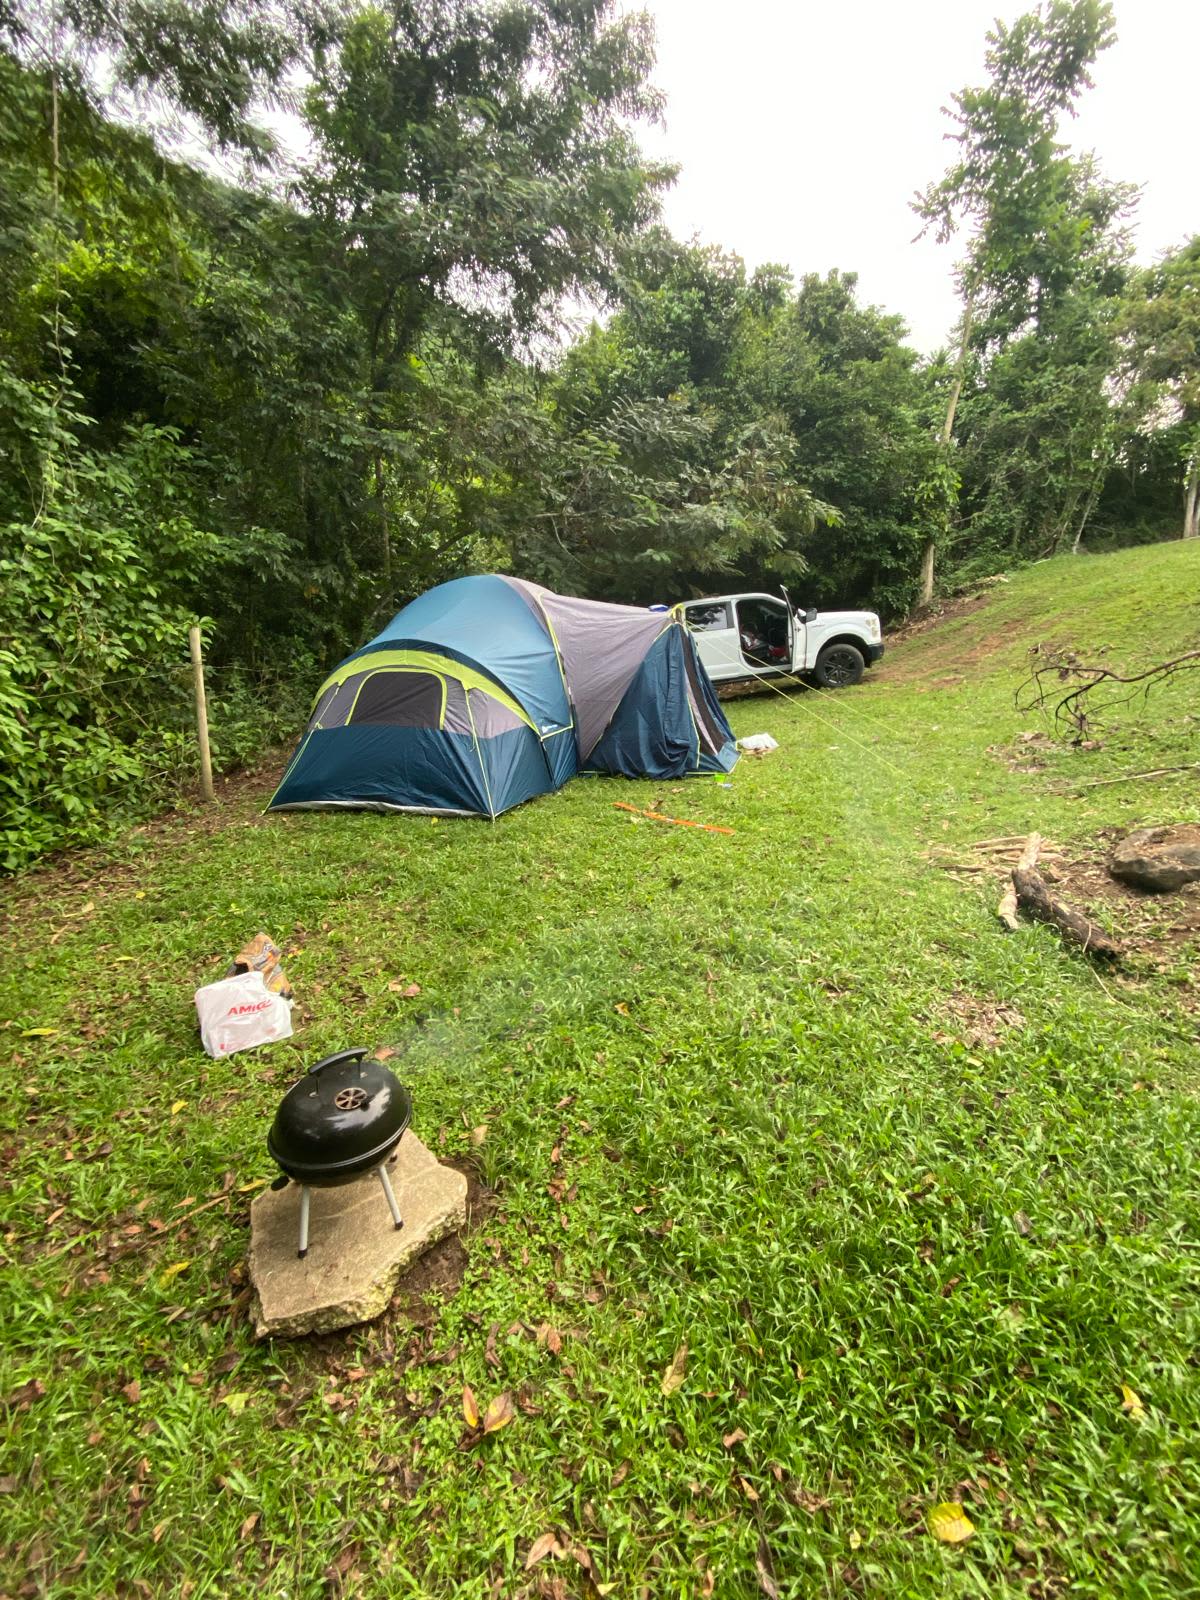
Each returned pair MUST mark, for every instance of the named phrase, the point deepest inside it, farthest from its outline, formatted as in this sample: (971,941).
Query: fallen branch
(1132,777)
(1089,691)
(1036,901)
(1007,909)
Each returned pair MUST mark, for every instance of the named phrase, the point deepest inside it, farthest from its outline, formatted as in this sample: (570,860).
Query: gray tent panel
(601,647)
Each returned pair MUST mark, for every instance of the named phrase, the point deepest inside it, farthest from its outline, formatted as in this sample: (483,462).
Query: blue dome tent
(487,691)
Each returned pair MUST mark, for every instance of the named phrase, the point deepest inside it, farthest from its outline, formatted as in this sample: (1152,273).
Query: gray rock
(355,1256)
(1158,859)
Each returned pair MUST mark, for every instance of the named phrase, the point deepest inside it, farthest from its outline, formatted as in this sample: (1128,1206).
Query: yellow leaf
(255,1183)
(140,895)
(604,1588)
(172,1271)
(178,1107)
(950,1523)
(499,1414)
(673,1377)
(1131,1403)
(86,911)
(470,1409)
(237,1403)
(621,1008)
(39,1033)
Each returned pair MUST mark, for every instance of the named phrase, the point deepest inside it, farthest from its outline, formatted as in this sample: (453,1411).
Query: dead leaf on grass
(748,1490)
(499,1413)
(950,1524)
(1131,1403)
(248,1527)
(546,1545)
(736,1437)
(172,1271)
(132,1392)
(343,1567)
(470,1409)
(673,1377)
(765,1569)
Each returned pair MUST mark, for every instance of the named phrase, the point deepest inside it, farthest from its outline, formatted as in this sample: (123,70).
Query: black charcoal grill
(345,1117)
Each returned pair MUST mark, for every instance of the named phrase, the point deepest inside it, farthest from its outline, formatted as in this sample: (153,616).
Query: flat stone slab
(1159,859)
(355,1256)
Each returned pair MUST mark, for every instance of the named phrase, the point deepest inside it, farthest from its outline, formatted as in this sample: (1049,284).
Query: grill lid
(345,1114)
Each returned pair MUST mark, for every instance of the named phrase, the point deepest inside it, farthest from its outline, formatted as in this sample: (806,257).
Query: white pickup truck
(745,636)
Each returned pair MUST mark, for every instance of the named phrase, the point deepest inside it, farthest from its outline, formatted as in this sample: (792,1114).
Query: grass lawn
(917,1195)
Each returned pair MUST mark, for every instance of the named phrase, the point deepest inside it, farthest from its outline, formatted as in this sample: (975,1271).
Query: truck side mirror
(811,614)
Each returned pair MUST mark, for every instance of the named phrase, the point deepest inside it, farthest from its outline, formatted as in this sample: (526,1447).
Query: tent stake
(206,783)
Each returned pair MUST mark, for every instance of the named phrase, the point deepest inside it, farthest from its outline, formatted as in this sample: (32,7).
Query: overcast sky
(803,130)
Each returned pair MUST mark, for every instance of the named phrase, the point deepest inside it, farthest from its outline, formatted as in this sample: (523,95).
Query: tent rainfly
(487,691)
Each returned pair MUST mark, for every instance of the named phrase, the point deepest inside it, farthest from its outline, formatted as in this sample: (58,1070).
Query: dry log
(1036,901)
(1007,909)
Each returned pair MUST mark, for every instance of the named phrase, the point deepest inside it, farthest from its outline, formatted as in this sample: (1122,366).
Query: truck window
(708,618)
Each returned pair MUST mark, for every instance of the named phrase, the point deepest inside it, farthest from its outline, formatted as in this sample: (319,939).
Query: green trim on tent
(424,661)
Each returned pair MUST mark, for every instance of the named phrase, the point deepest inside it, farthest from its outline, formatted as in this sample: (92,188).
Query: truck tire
(839,666)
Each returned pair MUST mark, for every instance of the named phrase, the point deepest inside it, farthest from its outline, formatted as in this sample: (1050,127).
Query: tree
(218,64)
(1161,337)
(1013,188)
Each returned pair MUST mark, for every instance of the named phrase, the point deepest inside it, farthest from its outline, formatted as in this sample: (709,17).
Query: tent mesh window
(400,700)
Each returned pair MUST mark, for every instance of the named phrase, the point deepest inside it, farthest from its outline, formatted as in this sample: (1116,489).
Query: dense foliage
(283,399)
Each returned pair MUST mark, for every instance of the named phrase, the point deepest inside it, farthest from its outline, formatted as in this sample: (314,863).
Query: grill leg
(391,1198)
(305,1196)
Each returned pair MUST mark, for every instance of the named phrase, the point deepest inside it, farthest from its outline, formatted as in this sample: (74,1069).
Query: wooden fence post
(206,783)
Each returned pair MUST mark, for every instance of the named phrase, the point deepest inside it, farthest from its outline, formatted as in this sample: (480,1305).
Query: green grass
(908,1266)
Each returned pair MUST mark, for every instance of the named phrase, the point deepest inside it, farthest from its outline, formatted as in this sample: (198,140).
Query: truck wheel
(839,666)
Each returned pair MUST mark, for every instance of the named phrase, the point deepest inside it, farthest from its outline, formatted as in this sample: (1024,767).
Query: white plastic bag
(240,1013)
(758,741)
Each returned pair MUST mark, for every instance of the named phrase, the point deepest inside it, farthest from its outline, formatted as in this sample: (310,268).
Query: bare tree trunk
(384,529)
(1191,502)
(928,556)
(925,586)
(1089,506)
